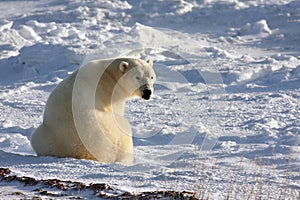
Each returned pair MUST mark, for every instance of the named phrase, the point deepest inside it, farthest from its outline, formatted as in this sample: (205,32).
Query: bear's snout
(146,94)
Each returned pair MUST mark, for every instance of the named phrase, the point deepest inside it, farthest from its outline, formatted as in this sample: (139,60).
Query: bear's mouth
(146,94)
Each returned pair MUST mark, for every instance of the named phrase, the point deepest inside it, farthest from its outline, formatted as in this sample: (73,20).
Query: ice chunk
(28,33)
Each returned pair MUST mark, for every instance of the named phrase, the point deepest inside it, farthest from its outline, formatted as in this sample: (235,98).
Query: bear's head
(137,77)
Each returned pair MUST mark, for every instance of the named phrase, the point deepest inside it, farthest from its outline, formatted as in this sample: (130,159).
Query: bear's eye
(137,78)
(152,77)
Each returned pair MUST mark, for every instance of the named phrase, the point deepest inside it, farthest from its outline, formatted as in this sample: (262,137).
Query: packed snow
(223,122)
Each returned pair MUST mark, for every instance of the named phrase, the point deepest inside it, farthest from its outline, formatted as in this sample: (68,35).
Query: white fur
(84,115)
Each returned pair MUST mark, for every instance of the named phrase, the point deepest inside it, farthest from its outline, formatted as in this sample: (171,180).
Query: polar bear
(84,114)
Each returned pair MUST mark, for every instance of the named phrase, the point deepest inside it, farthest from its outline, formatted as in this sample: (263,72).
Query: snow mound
(5,25)
(28,33)
(15,143)
(259,28)
(38,60)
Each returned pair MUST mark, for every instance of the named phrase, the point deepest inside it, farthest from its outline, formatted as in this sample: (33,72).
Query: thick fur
(84,114)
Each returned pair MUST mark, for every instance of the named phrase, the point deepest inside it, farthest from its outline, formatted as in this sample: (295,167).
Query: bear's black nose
(146,94)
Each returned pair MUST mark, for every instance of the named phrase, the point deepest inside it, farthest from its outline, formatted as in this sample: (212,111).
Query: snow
(224,120)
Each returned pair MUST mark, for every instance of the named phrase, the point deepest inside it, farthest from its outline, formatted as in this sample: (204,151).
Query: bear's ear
(150,62)
(123,66)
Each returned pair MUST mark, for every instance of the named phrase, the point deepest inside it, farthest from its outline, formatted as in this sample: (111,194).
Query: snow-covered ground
(225,118)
